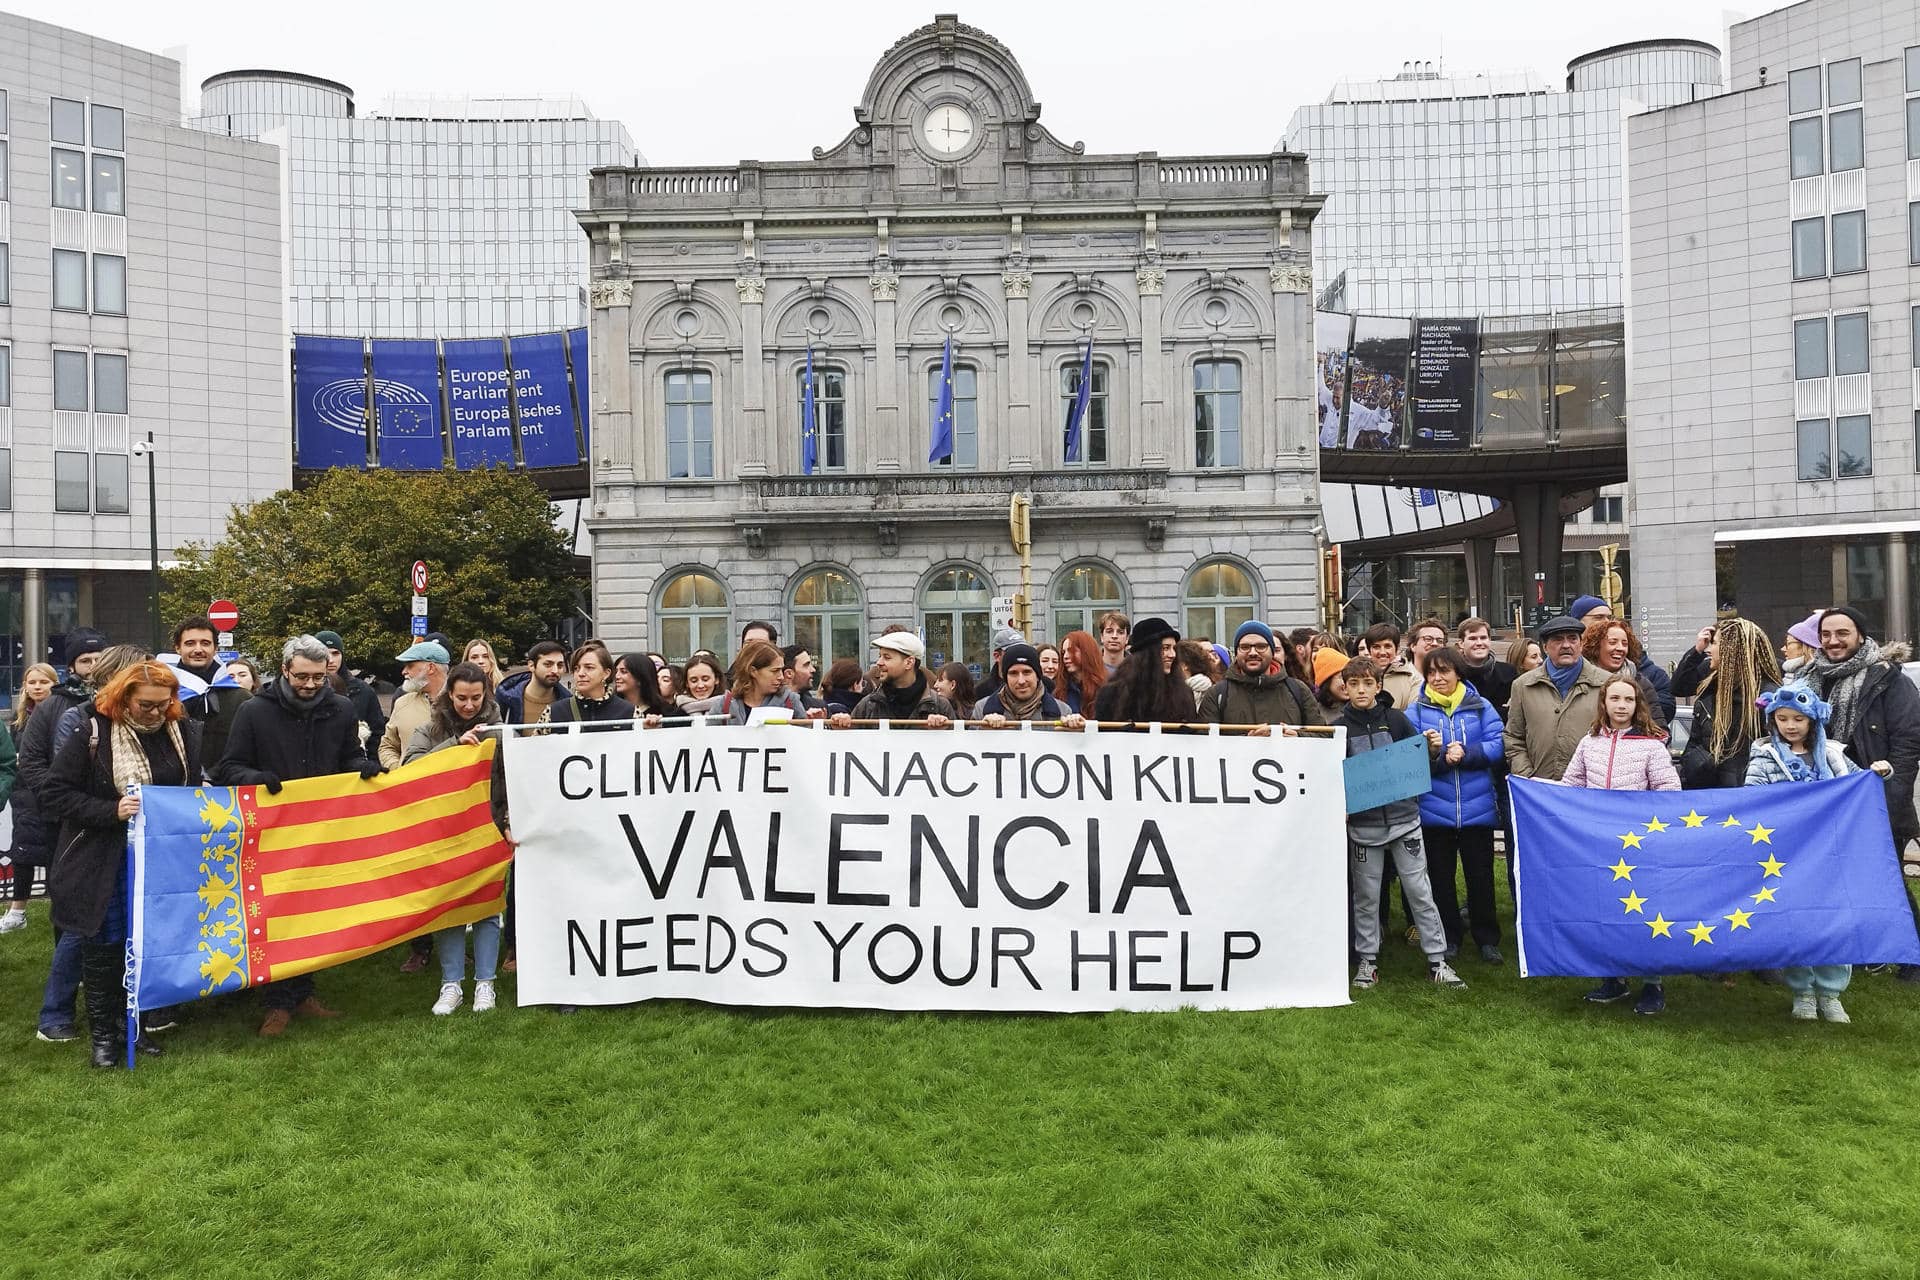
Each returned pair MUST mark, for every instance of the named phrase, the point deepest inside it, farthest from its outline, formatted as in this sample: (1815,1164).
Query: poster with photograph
(1377,382)
(1331,330)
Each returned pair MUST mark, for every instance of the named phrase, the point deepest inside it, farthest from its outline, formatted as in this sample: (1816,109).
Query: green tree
(336,556)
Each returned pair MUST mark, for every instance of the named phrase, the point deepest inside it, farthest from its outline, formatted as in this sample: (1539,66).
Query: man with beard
(299,728)
(903,692)
(1249,695)
(423,671)
(1876,717)
(366,702)
(1021,695)
(525,696)
(194,640)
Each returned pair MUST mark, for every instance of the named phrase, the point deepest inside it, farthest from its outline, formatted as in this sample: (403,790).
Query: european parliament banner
(582,384)
(329,402)
(479,402)
(940,869)
(1446,361)
(406,400)
(544,401)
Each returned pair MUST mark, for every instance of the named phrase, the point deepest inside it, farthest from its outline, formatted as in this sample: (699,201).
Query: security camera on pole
(417,579)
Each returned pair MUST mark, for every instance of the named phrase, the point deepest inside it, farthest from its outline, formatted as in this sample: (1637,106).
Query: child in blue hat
(1796,749)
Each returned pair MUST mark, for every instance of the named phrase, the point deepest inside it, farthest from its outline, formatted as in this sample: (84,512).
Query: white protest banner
(929,869)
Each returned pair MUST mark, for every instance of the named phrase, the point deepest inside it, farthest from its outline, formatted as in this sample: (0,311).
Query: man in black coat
(198,646)
(297,729)
(1876,717)
(363,696)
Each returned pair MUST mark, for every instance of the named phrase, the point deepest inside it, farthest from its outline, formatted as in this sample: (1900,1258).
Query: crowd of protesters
(1579,702)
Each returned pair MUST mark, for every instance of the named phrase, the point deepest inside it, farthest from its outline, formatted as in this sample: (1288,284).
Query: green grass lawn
(1503,1131)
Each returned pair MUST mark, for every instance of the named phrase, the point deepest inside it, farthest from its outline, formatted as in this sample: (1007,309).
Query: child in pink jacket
(1625,752)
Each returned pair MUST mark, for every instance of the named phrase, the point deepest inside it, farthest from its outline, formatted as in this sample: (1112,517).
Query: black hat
(1019,655)
(1560,626)
(1149,632)
(81,641)
(1848,611)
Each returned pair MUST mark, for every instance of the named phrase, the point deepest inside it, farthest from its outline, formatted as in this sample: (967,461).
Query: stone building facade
(950,211)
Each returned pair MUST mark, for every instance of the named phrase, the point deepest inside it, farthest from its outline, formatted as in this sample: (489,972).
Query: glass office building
(431,218)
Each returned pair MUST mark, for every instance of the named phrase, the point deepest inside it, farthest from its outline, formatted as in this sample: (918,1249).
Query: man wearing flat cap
(1553,705)
(423,674)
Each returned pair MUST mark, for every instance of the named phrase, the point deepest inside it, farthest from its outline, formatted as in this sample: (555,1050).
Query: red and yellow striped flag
(327,871)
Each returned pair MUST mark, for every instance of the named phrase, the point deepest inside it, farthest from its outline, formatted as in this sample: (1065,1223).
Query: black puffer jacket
(1886,727)
(32,833)
(273,736)
(1698,768)
(92,850)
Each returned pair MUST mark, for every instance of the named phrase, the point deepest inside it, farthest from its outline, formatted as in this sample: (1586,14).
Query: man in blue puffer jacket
(1458,816)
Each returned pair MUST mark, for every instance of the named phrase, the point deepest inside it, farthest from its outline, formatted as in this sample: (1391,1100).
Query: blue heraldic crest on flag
(188,912)
(1620,883)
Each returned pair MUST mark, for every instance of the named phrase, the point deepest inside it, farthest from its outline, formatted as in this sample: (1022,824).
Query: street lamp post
(146,448)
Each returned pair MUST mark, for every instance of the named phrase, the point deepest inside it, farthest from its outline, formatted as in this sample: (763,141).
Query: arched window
(955,616)
(692,613)
(966,414)
(1093,429)
(830,415)
(1081,593)
(827,617)
(689,424)
(1220,596)
(1216,413)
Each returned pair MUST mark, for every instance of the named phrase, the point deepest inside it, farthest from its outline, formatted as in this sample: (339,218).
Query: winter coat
(612,713)
(1626,761)
(366,706)
(1049,708)
(838,700)
(1886,726)
(1764,767)
(1654,676)
(1462,794)
(1698,768)
(410,711)
(511,695)
(1493,682)
(1401,682)
(1371,730)
(1543,728)
(877,706)
(91,852)
(213,711)
(1690,673)
(1244,699)
(737,711)
(273,736)
(431,737)
(9,765)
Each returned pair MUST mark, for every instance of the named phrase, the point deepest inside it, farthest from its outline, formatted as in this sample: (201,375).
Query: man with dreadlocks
(1740,670)
(1876,717)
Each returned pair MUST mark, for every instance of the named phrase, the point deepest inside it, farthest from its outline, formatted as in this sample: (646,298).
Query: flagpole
(127,969)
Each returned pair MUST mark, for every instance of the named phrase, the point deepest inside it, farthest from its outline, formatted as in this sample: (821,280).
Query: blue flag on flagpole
(1616,883)
(809,421)
(1077,415)
(942,450)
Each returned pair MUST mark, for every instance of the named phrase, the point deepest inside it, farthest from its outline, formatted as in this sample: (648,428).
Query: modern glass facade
(448,218)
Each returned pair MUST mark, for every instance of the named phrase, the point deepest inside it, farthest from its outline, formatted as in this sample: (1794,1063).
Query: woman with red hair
(135,735)
(1082,671)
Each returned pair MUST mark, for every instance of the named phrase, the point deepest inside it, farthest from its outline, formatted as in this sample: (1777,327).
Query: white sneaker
(1831,1010)
(1443,975)
(13,921)
(450,997)
(1366,974)
(482,997)
(1804,1009)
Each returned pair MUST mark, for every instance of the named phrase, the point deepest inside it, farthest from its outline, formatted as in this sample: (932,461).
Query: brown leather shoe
(276,1022)
(312,1008)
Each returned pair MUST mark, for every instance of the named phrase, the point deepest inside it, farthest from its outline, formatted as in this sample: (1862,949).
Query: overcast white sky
(711,83)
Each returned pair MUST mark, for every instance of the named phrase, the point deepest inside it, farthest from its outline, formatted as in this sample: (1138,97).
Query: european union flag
(809,422)
(943,410)
(1657,882)
(1082,396)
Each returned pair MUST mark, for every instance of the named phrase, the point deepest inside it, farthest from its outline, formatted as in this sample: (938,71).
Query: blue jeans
(63,982)
(1821,979)
(452,947)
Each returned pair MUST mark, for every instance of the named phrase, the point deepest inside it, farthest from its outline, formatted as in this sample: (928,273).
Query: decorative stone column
(749,444)
(615,434)
(1017,283)
(889,430)
(1157,427)
(1293,403)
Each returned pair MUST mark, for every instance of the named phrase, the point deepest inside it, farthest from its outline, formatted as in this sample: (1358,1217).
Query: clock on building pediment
(948,130)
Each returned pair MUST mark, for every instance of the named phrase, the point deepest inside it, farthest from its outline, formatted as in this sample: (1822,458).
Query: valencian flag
(943,410)
(234,888)
(1617,883)
(809,421)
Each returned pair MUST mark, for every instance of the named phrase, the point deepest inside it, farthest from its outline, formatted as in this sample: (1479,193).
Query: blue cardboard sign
(406,401)
(544,400)
(329,402)
(479,402)
(1387,774)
